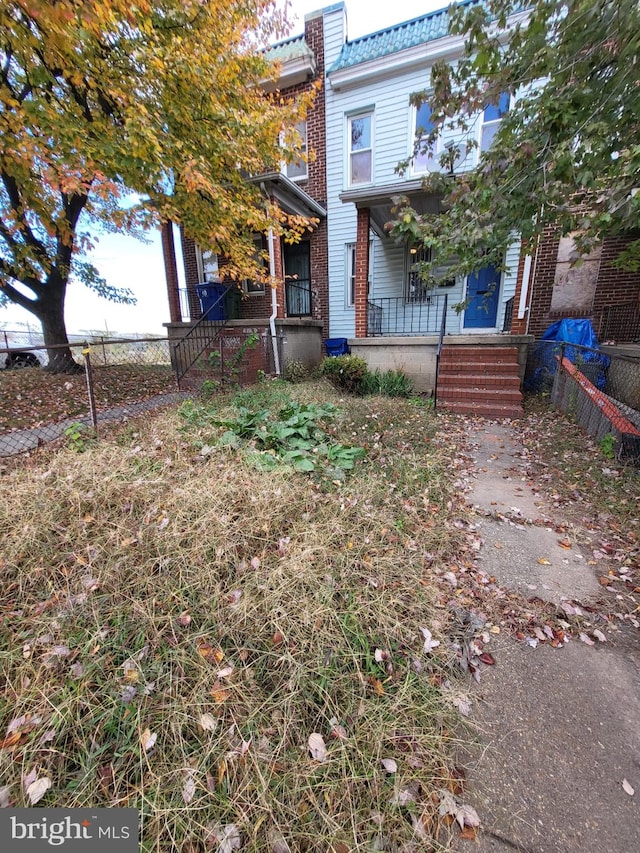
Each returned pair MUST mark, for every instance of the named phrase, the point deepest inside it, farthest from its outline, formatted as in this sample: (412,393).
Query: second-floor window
(491,118)
(426,159)
(360,130)
(297,170)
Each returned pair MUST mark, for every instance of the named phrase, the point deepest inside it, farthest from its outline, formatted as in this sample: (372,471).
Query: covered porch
(389,297)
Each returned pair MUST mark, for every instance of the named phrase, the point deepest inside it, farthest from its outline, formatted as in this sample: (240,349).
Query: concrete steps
(477,380)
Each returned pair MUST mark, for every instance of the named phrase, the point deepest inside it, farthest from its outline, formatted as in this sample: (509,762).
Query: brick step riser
(480,395)
(480,364)
(485,411)
(457,380)
(480,353)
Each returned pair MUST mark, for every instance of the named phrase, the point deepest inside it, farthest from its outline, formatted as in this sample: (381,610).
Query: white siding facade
(382,87)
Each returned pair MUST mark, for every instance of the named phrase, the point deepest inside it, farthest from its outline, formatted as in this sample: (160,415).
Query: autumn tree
(567,152)
(122,115)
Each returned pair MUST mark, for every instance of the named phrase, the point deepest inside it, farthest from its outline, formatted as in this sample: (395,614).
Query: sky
(126,262)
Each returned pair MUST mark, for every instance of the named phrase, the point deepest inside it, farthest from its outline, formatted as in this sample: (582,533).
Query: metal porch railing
(401,316)
(200,337)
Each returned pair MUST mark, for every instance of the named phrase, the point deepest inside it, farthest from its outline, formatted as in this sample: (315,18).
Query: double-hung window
(207,262)
(360,138)
(426,159)
(297,170)
(491,118)
(350,270)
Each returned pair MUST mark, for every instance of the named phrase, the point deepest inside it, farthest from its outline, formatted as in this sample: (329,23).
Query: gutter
(274,302)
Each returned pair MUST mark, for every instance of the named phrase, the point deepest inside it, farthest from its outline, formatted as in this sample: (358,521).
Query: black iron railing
(298,298)
(443,329)
(508,315)
(200,337)
(620,323)
(399,316)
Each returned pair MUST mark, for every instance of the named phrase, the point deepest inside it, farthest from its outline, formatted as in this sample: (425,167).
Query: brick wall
(362,271)
(614,286)
(259,307)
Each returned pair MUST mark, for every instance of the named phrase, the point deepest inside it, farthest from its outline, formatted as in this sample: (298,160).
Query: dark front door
(483,290)
(297,279)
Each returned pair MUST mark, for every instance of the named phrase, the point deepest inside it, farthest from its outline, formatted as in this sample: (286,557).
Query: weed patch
(179,631)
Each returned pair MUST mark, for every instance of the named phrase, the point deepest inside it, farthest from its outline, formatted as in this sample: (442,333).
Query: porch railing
(200,337)
(620,323)
(298,298)
(400,316)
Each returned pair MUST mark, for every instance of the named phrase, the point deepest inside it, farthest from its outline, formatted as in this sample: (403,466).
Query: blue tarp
(592,364)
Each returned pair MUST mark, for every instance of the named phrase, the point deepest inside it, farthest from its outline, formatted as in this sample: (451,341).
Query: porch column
(171,271)
(278,266)
(362,271)
(519,316)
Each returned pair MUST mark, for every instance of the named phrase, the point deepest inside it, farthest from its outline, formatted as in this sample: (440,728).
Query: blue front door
(483,290)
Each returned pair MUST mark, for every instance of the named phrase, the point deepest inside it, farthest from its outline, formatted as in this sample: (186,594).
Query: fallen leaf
(11,740)
(276,842)
(586,639)
(467,816)
(487,659)
(228,838)
(597,633)
(317,747)
(184,619)
(339,732)
(148,740)
(208,722)
(463,705)
(220,694)
(544,562)
(278,639)
(37,789)
(627,788)
(469,833)
(189,789)
(378,689)
(389,765)
(226,672)
(429,643)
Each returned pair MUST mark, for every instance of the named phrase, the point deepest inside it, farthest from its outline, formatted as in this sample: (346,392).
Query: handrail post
(443,326)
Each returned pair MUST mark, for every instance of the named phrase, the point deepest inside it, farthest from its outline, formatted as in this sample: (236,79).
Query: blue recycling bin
(336,346)
(212,301)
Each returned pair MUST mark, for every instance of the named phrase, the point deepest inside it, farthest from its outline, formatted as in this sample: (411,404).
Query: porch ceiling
(379,201)
(291,198)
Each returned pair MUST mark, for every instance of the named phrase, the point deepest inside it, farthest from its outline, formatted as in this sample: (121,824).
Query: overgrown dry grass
(175,628)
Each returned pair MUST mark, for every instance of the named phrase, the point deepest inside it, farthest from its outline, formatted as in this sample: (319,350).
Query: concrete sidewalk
(558,728)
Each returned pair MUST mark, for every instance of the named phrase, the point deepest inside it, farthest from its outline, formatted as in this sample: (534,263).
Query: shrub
(346,372)
(391,383)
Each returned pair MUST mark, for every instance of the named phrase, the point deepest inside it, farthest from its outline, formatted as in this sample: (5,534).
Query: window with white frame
(360,145)
(255,287)
(297,170)
(207,262)
(416,289)
(350,272)
(491,118)
(426,159)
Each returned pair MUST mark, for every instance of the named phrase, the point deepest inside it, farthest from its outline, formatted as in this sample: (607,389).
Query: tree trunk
(51,315)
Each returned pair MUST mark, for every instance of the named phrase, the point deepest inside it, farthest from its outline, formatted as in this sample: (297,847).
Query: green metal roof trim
(293,48)
(411,33)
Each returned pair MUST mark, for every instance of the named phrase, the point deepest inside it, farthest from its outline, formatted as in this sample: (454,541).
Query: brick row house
(295,310)
(364,285)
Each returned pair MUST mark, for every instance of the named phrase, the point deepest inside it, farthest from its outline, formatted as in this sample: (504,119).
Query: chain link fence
(611,393)
(109,380)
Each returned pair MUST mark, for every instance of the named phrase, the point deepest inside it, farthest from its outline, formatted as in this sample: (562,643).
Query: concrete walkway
(558,728)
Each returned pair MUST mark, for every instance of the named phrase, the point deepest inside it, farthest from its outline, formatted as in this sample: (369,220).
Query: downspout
(274,302)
